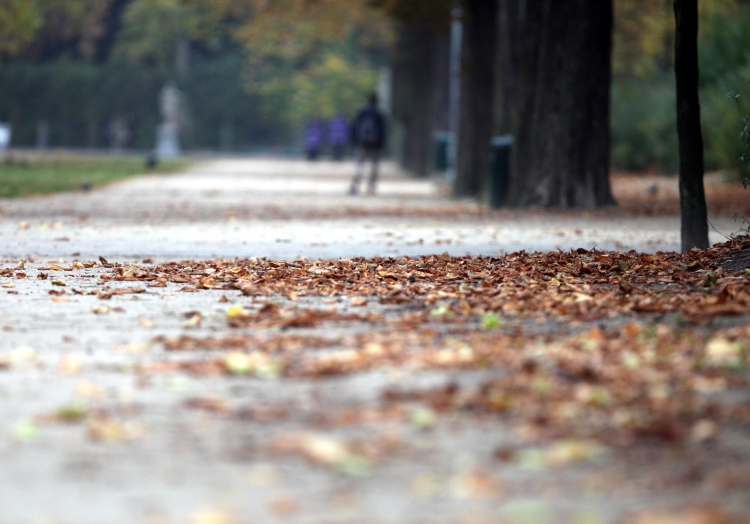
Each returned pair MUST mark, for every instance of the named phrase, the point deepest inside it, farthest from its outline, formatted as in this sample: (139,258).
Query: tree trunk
(510,25)
(477,94)
(694,230)
(413,66)
(441,81)
(561,152)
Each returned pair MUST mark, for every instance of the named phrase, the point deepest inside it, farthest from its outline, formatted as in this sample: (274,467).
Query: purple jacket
(338,131)
(313,136)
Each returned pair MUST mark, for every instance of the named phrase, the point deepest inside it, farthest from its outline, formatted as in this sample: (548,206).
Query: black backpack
(369,129)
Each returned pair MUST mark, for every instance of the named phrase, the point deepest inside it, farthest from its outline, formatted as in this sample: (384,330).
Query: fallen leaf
(211,517)
(193,322)
(722,352)
(71,413)
(88,389)
(24,431)
(108,429)
(18,356)
(133,348)
(70,364)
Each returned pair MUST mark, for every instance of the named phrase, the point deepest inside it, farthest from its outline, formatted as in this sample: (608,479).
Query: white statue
(168,135)
(5,135)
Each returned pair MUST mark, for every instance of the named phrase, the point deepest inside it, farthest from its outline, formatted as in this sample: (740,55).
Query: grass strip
(38,174)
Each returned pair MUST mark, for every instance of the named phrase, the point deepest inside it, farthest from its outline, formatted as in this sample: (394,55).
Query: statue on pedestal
(168,134)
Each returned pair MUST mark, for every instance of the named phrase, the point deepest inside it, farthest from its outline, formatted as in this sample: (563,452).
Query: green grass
(38,174)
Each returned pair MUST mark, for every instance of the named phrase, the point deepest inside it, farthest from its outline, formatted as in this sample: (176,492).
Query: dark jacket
(369,128)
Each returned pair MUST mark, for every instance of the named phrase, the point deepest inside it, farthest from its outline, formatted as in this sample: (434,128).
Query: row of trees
(542,70)
(538,70)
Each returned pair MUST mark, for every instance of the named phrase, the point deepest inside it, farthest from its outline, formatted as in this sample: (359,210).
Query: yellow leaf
(236,311)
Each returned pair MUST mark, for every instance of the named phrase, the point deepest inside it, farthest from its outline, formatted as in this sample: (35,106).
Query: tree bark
(477,95)
(510,25)
(562,135)
(414,66)
(694,222)
(441,81)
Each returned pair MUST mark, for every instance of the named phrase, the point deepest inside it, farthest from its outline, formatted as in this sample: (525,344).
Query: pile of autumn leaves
(606,345)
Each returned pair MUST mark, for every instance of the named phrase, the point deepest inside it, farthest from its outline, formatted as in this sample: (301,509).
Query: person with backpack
(368,134)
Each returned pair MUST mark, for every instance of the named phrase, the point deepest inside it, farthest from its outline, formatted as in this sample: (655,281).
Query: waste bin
(441,141)
(500,170)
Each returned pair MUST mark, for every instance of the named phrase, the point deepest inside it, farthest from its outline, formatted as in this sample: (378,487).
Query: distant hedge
(78,100)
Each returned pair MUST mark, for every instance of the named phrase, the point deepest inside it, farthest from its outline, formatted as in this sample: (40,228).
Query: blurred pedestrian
(368,134)
(313,139)
(338,136)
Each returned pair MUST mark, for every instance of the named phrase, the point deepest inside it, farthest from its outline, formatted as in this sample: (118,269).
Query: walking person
(338,136)
(313,139)
(368,134)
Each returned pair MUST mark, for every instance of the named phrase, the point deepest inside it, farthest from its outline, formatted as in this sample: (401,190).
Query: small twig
(719,232)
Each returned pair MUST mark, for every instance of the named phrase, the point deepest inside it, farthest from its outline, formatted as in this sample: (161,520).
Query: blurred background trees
(18,21)
(644,133)
(252,71)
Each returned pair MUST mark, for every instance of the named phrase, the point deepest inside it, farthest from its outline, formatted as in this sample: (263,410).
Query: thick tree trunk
(477,94)
(561,153)
(413,94)
(694,230)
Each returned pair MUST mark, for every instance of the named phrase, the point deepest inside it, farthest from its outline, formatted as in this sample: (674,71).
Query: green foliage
(491,320)
(37,175)
(723,122)
(152,30)
(725,68)
(79,99)
(327,87)
(18,21)
(313,59)
(644,130)
(218,99)
(644,34)
(74,28)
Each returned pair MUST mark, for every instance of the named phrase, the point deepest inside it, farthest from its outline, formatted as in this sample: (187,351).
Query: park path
(98,424)
(287,208)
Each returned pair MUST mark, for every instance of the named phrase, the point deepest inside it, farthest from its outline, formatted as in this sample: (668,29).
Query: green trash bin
(500,170)
(441,141)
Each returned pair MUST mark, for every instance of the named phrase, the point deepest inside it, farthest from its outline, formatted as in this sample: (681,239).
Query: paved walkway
(151,453)
(287,209)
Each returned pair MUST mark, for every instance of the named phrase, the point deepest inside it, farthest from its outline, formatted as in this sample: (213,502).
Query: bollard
(500,170)
(440,144)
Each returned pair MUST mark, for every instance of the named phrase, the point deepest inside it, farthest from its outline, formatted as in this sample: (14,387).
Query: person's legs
(375,158)
(354,189)
(338,152)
